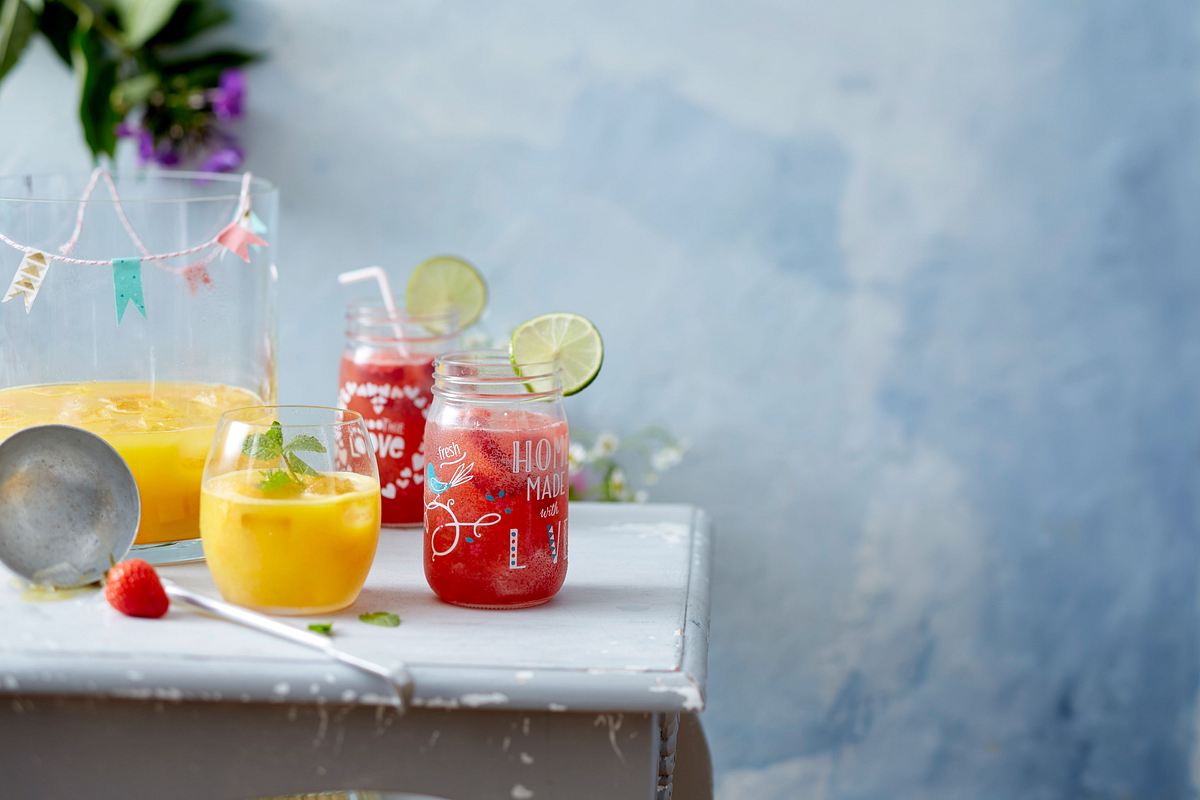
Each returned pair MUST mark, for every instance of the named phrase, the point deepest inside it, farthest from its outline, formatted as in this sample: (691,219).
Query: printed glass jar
(496,482)
(387,376)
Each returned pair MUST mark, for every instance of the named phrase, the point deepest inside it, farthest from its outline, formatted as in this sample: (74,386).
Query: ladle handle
(398,680)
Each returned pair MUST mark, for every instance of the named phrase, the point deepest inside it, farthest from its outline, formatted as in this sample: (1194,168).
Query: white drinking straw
(380,277)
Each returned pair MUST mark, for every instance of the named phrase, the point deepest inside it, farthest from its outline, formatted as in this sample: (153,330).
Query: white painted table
(580,698)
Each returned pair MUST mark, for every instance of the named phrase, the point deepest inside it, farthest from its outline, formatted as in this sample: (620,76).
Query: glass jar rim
(378,316)
(492,375)
(342,416)
(259,187)
(499,359)
(375,310)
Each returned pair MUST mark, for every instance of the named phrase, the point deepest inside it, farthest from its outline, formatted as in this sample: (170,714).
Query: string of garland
(243,232)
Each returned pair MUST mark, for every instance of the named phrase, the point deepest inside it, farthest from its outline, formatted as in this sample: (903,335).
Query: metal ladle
(69,507)
(69,510)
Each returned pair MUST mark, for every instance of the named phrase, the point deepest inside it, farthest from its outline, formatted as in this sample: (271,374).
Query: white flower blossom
(667,457)
(577,455)
(616,482)
(606,445)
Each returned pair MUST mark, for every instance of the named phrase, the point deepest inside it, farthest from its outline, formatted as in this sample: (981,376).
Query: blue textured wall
(917,280)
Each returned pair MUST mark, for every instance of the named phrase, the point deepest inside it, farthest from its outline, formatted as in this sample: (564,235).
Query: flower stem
(97,21)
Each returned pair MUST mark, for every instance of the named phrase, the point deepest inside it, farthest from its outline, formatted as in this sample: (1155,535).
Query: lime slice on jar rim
(448,286)
(568,339)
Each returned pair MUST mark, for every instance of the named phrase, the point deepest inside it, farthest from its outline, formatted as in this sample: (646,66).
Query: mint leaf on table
(384,619)
(323,628)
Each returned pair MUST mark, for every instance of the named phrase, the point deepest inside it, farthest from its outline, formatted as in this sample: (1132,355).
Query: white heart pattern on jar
(378,402)
(388,491)
(418,468)
(404,479)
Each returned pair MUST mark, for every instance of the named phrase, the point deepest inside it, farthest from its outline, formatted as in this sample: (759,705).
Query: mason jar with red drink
(496,482)
(387,376)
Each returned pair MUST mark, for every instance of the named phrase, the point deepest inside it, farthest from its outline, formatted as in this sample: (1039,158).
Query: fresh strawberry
(132,587)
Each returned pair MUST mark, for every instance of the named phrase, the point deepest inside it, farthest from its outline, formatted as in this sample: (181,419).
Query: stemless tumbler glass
(289,508)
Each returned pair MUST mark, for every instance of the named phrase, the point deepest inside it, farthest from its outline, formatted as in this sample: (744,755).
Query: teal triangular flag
(256,224)
(127,283)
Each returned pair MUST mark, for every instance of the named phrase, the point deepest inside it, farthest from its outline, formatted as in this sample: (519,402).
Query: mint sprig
(323,628)
(385,619)
(275,479)
(304,443)
(292,469)
(265,446)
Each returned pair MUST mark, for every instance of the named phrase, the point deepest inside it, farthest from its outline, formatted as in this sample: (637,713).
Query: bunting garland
(238,237)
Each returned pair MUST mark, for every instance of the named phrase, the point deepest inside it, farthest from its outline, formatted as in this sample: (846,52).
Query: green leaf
(275,480)
(97,76)
(57,23)
(385,619)
(16,23)
(35,6)
(134,91)
(191,18)
(606,480)
(325,628)
(298,465)
(305,444)
(205,69)
(266,446)
(141,19)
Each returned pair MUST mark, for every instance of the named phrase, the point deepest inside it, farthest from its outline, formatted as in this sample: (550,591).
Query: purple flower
(163,154)
(166,155)
(223,159)
(145,141)
(230,94)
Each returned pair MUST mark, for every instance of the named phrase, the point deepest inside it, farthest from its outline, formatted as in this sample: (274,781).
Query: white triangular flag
(28,278)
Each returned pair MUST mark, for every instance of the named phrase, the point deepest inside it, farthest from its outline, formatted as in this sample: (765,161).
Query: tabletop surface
(628,631)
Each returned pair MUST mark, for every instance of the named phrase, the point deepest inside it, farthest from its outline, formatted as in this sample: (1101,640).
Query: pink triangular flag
(197,276)
(238,239)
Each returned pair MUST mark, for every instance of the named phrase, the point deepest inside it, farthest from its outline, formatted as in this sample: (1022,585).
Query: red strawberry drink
(496,484)
(387,376)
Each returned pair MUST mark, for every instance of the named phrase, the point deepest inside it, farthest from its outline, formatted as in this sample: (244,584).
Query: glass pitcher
(195,337)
